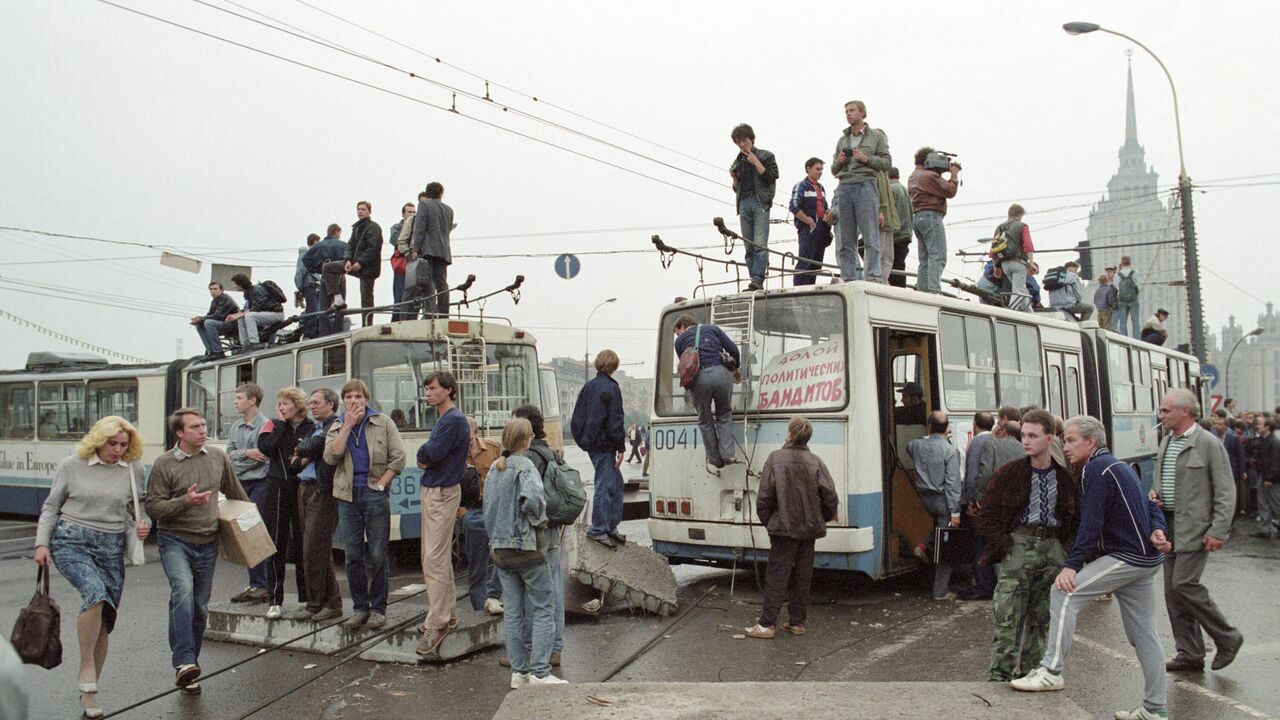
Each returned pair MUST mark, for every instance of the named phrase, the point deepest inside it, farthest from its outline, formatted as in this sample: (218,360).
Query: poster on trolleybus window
(805,379)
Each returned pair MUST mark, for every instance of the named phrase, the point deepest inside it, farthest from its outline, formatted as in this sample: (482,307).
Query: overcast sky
(120,127)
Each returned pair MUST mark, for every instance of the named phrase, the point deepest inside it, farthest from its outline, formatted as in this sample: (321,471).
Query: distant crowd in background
(420,258)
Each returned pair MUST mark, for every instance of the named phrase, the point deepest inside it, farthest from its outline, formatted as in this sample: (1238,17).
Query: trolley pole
(1191,256)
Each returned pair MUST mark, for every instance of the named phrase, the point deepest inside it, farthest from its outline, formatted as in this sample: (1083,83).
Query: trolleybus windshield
(795,356)
(493,379)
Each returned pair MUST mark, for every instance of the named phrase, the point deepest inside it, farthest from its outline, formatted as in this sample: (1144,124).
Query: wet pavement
(859,632)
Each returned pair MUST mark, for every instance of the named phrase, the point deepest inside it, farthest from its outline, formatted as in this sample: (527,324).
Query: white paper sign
(812,377)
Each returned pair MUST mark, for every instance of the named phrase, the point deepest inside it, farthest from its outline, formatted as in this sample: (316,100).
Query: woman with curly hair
(82,531)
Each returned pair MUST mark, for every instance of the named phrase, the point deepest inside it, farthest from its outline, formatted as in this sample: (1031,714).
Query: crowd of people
(420,257)
(319,467)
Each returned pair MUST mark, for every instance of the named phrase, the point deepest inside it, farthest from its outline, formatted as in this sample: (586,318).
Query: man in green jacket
(860,152)
(1195,488)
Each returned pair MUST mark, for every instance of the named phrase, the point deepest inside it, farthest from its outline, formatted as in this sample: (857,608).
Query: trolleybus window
(273,374)
(18,408)
(113,397)
(1121,380)
(795,358)
(548,388)
(202,394)
(61,410)
(1073,388)
(510,380)
(1142,389)
(1018,351)
(322,368)
(230,377)
(1055,388)
(968,363)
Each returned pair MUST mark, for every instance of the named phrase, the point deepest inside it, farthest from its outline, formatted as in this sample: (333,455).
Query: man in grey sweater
(182,501)
(937,464)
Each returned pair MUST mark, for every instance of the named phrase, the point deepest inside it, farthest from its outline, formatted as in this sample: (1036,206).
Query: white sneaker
(1038,680)
(1142,713)
(518,679)
(548,680)
(493,606)
(274,612)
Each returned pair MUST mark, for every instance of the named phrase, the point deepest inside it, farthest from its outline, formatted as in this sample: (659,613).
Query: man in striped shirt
(1118,549)
(1198,494)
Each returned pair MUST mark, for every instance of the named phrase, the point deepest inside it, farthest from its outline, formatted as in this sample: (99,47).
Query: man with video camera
(929,193)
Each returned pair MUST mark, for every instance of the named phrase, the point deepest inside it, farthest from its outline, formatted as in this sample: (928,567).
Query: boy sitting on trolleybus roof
(797,499)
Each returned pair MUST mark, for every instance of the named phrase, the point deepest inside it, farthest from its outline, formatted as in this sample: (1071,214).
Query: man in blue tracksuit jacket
(1119,549)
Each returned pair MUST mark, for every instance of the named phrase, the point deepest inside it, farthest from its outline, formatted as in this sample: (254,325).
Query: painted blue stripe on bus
(769,432)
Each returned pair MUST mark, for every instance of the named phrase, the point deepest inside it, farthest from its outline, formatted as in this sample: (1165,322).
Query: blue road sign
(1212,373)
(567,266)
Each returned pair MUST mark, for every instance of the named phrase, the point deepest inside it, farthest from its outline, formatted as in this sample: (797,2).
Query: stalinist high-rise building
(1138,219)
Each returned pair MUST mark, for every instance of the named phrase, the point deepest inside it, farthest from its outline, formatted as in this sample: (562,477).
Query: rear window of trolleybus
(795,360)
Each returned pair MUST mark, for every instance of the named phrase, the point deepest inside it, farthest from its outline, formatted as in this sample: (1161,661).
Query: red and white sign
(804,379)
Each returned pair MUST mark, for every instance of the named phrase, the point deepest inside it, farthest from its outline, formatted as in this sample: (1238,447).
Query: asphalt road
(887,631)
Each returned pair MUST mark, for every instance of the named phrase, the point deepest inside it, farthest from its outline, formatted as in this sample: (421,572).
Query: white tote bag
(134,552)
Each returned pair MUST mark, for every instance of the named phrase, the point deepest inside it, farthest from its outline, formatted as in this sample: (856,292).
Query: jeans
(210,332)
(900,250)
(482,580)
(714,384)
(1126,313)
(364,524)
(809,250)
(1015,273)
(933,250)
(251,321)
(755,233)
(257,490)
(858,207)
(189,568)
(331,286)
(311,304)
(528,611)
(606,502)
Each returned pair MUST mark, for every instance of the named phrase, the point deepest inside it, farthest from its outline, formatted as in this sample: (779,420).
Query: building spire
(1130,115)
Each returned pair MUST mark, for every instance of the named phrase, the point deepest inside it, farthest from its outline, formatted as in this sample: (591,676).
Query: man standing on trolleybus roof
(713,384)
(1016,259)
(755,177)
(929,193)
(860,152)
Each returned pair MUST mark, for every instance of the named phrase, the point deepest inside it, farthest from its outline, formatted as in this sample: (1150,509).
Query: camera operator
(929,193)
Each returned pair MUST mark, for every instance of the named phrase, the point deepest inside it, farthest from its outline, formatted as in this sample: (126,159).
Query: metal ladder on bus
(735,315)
(467,362)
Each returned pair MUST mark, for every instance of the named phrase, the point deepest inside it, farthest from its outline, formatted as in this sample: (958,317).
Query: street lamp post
(1189,251)
(1226,389)
(586,355)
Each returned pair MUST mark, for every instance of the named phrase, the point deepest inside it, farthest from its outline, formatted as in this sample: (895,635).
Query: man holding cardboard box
(181,501)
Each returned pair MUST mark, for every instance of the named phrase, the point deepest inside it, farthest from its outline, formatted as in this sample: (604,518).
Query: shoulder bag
(36,633)
(134,554)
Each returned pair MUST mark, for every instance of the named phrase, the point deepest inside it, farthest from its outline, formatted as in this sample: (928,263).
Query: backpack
(275,291)
(690,363)
(1004,247)
(1126,289)
(1055,279)
(563,487)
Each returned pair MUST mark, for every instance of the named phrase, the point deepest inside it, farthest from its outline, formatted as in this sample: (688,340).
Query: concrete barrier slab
(765,701)
(247,624)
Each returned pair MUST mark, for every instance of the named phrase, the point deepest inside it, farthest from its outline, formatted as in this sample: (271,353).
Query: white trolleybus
(839,355)
(47,407)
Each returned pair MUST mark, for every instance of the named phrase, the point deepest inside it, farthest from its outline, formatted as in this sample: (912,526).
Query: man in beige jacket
(1195,487)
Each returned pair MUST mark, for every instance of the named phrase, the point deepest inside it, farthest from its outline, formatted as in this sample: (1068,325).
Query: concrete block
(766,701)
(248,625)
(631,573)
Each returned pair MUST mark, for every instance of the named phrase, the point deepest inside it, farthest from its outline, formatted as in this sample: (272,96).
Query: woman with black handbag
(82,531)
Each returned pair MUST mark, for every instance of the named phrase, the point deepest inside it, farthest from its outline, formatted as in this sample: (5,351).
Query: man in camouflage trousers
(1029,514)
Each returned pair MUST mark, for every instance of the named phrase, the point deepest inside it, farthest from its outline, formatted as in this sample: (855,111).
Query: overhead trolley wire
(508,88)
(420,101)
